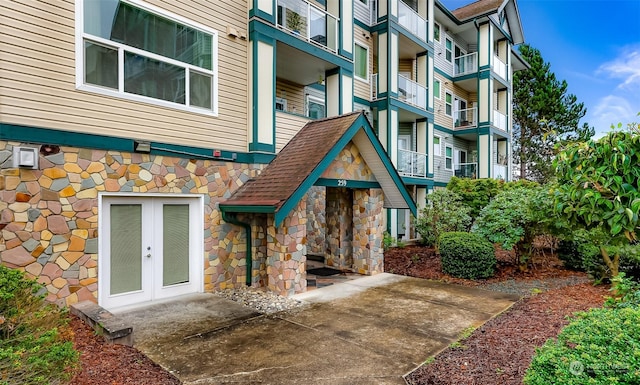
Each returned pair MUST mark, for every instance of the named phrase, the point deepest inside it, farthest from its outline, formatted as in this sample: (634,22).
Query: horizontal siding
(37,71)
(361,11)
(287,126)
(293,93)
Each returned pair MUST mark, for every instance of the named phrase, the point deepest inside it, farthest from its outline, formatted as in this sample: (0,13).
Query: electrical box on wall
(25,157)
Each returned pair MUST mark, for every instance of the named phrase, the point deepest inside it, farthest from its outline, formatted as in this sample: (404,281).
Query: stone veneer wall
(368,231)
(287,252)
(316,219)
(339,248)
(49,216)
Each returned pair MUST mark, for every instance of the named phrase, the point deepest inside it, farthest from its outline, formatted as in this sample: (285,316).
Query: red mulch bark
(111,364)
(500,351)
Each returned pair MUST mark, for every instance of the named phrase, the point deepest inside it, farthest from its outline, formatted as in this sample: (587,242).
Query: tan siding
(362,89)
(287,126)
(37,70)
(439,116)
(293,93)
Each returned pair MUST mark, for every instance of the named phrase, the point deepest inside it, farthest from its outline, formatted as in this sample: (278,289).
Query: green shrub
(514,218)
(466,255)
(597,347)
(33,349)
(475,193)
(444,212)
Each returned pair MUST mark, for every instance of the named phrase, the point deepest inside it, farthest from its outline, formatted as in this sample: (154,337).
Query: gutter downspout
(231,218)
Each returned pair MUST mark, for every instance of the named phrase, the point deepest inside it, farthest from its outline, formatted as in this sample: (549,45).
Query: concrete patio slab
(371,330)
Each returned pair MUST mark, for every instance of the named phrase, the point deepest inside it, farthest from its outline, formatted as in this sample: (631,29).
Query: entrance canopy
(302,162)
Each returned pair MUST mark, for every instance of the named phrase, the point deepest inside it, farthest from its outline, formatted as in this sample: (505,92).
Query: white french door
(151,248)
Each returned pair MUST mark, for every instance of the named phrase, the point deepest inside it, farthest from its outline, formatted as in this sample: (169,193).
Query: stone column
(339,234)
(368,229)
(287,252)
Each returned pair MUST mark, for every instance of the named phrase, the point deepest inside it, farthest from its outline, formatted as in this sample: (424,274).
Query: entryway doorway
(151,248)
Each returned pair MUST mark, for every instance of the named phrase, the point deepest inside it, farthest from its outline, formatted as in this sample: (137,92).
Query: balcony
(500,171)
(309,22)
(499,67)
(412,21)
(466,64)
(412,164)
(466,170)
(466,118)
(500,120)
(412,93)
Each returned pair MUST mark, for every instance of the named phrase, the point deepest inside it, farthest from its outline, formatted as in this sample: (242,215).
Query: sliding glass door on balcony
(309,22)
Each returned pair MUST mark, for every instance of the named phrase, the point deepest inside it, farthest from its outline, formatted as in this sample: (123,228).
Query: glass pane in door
(175,241)
(126,248)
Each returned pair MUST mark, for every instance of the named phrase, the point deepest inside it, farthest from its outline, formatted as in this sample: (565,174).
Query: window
(436,89)
(281,104)
(448,46)
(436,31)
(140,52)
(436,146)
(447,103)
(361,62)
(448,158)
(315,107)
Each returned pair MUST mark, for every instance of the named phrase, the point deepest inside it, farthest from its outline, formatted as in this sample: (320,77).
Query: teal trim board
(347,183)
(255,145)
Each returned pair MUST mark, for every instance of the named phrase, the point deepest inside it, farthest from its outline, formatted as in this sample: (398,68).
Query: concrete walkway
(371,330)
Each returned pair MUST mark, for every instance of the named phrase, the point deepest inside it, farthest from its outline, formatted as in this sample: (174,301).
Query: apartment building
(153,148)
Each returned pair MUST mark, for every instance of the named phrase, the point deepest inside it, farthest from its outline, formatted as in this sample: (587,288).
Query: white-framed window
(437,93)
(281,104)
(436,146)
(448,157)
(436,32)
(448,47)
(137,51)
(315,107)
(361,62)
(448,99)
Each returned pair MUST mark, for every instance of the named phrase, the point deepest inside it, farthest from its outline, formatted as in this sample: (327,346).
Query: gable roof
(482,8)
(477,8)
(302,161)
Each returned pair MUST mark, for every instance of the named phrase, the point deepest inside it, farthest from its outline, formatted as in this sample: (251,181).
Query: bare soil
(500,351)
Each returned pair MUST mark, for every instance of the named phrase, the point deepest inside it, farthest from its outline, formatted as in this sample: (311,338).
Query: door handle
(148,255)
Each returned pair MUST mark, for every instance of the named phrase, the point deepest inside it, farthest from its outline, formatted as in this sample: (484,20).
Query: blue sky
(592,44)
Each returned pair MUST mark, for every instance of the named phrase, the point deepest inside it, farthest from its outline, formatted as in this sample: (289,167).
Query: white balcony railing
(309,22)
(500,120)
(499,67)
(500,171)
(411,163)
(374,87)
(466,118)
(466,170)
(466,64)
(411,92)
(412,21)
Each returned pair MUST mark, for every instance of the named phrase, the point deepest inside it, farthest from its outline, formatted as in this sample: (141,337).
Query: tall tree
(544,114)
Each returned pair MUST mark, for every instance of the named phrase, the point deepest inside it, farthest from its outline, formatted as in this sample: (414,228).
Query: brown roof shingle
(479,7)
(288,170)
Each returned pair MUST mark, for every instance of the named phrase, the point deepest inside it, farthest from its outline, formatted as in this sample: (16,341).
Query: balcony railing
(411,92)
(412,21)
(500,120)
(374,87)
(499,67)
(309,22)
(500,171)
(411,163)
(466,170)
(466,64)
(466,118)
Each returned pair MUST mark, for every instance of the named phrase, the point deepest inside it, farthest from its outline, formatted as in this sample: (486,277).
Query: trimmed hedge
(34,337)
(467,255)
(599,347)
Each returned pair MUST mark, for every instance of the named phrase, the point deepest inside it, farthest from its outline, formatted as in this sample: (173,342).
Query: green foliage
(597,347)
(514,218)
(466,255)
(32,347)
(444,212)
(388,241)
(475,193)
(598,187)
(544,114)
(626,292)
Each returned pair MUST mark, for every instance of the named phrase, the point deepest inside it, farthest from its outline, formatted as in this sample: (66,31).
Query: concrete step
(111,327)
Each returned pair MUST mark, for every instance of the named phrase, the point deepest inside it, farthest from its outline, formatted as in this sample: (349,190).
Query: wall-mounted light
(25,157)
(320,79)
(141,146)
